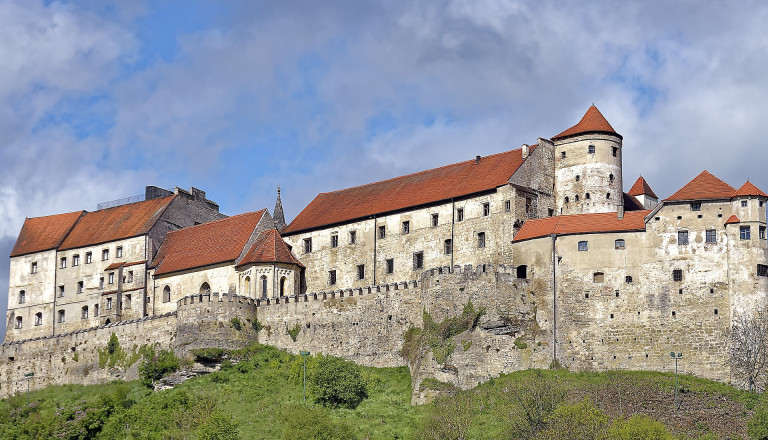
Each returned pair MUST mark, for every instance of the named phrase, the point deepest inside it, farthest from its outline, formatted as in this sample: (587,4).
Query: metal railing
(118,202)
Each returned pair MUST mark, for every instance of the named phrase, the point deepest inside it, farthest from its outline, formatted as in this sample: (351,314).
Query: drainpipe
(375,236)
(55,270)
(554,298)
(453,221)
(274,277)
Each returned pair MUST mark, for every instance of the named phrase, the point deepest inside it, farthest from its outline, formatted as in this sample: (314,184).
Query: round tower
(588,176)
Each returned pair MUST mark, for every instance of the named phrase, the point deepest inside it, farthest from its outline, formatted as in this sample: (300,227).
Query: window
(628,279)
(84,312)
(711,236)
(104,254)
(130,276)
(761,231)
(434,220)
(583,245)
(79,287)
(33,268)
(696,206)
(481,239)
(22,297)
(61,291)
(38,319)
(95,310)
(677,275)
(18,322)
(127,301)
(88,258)
(166,294)
(607,196)
(507,205)
(567,199)
(331,277)
(63,263)
(743,203)
(334,241)
(282,286)
(62,316)
(448,246)
(610,177)
(205,289)
(591,149)
(263,286)
(101,282)
(521,272)
(361,271)
(109,303)
(682,237)
(382,232)
(528,205)
(407,227)
(615,151)
(75,260)
(562,154)
(586,196)
(352,237)
(762,270)
(486,209)
(390,265)
(111,279)
(576,197)
(744,233)
(418,260)
(460,215)
(619,244)
(598,277)
(578,177)
(307,245)
(119,252)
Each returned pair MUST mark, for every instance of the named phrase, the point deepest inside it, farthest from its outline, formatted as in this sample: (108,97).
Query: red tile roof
(732,219)
(116,223)
(115,265)
(210,243)
(421,188)
(582,224)
(44,233)
(641,187)
(592,122)
(705,186)
(269,247)
(748,189)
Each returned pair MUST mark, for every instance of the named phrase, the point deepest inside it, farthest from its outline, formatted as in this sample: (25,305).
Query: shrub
(219,426)
(336,382)
(236,323)
(314,424)
(534,399)
(113,345)
(294,331)
(450,418)
(638,427)
(580,420)
(256,325)
(157,366)
(757,426)
(520,344)
(207,354)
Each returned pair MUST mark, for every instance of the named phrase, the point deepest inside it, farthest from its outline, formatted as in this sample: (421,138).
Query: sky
(100,98)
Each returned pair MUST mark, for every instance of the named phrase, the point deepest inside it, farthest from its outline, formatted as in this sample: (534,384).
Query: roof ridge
(219,220)
(132,203)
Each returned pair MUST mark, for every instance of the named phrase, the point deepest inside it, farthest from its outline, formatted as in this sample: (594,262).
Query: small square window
(628,279)
(591,149)
(75,260)
(448,247)
(682,237)
(745,233)
(407,227)
(460,215)
(696,206)
(119,252)
(711,236)
(481,239)
(33,267)
(619,244)
(743,203)
(88,258)
(418,260)
(361,271)
(598,277)
(331,277)
(352,237)
(334,241)
(105,254)
(63,263)
(677,275)
(307,245)
(486,209)
(762,270)
(382,232)
(390,265)
(583,246)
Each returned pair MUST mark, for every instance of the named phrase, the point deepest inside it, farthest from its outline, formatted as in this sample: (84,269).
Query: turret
(588,176)
(644,194)
(279,217)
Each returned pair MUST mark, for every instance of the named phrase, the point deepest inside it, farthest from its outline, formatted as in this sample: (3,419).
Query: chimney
(477,158)
(525,151)
(620,210)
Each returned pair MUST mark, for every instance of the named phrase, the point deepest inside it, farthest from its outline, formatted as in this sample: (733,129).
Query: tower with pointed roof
(644,194)
(279,217)
(588,177)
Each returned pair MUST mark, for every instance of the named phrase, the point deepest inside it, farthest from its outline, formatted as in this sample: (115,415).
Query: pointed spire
(592,122)
(641,187)
(279,217)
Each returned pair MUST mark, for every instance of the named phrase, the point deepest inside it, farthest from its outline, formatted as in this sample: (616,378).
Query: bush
(156,366)
(294,331)
(534,399)
(757,426)
(113,345)
(236,323)
(638,427)
(336,382)
(451,418)
(218,426)
(207,354)
(580,420)
(314,424)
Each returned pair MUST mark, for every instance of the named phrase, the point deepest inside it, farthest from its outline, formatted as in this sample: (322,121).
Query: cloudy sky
(100,98)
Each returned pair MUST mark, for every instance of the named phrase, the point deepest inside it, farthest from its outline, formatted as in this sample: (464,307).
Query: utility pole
(29,378)
(676,358)
(304,355)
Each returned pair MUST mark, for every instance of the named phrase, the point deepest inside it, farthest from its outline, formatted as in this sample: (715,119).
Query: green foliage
(412,344)
(207,354)
(532,399)
(113,345)
(520,344)
(236,323)
(337,383)
(294,331)
(256,324)
(580,420)
(451,418)
(466,344)
(638,427)
(314,424)
(157,365)
(757,427)
(218,426)
(431,383)
(439,336)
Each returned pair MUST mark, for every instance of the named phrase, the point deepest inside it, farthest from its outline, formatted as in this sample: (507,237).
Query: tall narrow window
(507,205)
(111,278)
(745,233)
(406,227)
(677,275)
(762,232)
(615,151)
(62,316)
(101,282)
(528,205)
(331,277)
(119,252)
(88,257)
(61,291)
(263,286)
(109,303)
(352,237)
(38,318)
(619,244)
(578,177)
(583,245)
(382,231)
(105,254)
(247,286)
(130,276)
(22,297)
(562,155)
(127,301)
(307,245)
(567,199)
(486,209)
(33,267)
(481,239)
(390,265)
(418,260)
(435,220)
(63,263)
(18,322)
(282,286)
(79,287)
(586,196)
(361,271)
(448,247)
(75,260)
(460,215)
(334,240)
(682,237)
(84,312)
(166,294)
(711,236)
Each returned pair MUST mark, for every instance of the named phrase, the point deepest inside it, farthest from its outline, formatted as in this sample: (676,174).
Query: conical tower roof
(279,217)
(641,187)
(748,189)
(592,122)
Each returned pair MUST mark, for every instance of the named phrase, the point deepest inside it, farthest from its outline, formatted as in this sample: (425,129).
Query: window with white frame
(63,263)
(22,297)
(38,318)
(88,257)
(105,254)
(119,252)
(745,233)
(75,260)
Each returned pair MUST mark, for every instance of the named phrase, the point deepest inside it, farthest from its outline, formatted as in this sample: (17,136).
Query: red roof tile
(269,247)
(582,224)
(732,219)
(210,243)
(44,233)
(748,189)
(115,266)
(641,187)
(592,122)
(116,223)
(705,186)
(421,188)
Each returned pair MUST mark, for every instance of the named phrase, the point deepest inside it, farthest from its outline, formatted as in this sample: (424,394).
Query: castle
(543,238)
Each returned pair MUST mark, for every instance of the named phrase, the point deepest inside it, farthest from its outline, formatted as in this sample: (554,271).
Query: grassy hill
(260,397)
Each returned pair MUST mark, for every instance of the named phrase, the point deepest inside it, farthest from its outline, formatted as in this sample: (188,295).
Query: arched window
(586,196)
(205,289)
(166,294)
(18,322)
(84,312)
(522,272)
(247,286)
(282,286)
(567,199)
(263,286)
(38,318)
(576,198)
(95,310)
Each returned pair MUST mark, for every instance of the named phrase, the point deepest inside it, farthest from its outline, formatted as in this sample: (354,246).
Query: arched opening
(282,286)
(263,286)
(38,318)
(247,286)
(522,272)
(166,294)
(18,322)
(205,289)
(108,321)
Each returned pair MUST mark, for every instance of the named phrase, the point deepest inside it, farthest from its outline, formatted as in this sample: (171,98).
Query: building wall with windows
(30,295)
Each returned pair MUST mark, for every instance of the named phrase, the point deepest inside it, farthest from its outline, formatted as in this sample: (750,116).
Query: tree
(748,351)
(534,399)
(451,418)
(336,382)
